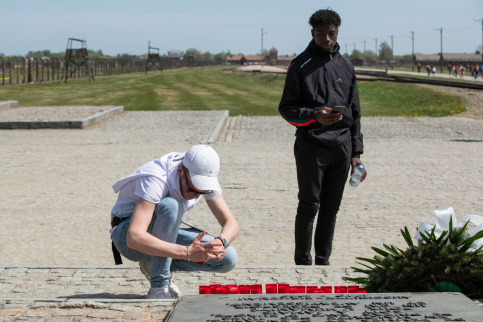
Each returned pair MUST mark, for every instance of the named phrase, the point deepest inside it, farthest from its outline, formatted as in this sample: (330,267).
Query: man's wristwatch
(223,241)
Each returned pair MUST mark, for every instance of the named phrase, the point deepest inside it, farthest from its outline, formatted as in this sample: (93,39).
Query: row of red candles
(275,289)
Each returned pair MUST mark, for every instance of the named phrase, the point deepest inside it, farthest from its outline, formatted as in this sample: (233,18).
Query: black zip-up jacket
(315,79)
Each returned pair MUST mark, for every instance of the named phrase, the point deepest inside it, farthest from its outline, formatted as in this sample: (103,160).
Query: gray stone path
(54,117)
(56,196)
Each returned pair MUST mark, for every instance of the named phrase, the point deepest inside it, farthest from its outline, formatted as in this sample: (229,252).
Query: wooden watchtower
(154,60)
(76,60)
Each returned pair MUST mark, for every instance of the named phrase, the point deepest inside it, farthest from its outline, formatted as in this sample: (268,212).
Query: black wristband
(223,241)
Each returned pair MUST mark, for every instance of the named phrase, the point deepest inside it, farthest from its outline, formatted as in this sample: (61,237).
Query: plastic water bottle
(356,177)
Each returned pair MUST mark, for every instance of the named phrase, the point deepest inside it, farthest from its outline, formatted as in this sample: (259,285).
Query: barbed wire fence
(28,70)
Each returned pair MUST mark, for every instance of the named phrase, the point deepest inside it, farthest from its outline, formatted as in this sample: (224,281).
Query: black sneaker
(322,261)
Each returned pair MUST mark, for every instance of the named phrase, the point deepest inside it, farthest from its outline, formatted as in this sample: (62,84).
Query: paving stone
(103,314)
(370,215)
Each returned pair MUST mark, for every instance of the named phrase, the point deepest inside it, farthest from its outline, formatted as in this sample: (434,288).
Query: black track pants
(321,174)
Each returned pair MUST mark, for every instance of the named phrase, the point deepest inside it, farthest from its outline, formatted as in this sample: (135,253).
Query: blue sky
(214,25)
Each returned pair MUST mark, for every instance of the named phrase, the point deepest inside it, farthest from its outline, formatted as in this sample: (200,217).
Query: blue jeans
(165,226)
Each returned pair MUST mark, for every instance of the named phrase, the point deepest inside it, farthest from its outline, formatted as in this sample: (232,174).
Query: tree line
(191,54)
(369,57)
(384,53)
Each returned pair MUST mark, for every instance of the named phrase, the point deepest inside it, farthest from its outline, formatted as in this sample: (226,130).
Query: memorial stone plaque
(327,307)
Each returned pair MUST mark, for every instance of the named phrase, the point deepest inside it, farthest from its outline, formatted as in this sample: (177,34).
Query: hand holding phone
(338,109)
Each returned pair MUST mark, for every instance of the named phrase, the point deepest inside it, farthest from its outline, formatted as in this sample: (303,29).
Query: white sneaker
(145,267)
(173,288)
(159,293)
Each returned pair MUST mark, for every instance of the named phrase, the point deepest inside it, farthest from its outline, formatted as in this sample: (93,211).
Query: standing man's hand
(326,117)
(355,162)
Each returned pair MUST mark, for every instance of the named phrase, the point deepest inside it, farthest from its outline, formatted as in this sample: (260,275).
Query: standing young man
(150,205)
(327,143)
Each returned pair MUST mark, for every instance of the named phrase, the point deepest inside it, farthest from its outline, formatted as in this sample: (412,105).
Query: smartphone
(338,109)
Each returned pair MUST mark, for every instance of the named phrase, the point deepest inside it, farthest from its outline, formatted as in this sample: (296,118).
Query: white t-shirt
(153,181)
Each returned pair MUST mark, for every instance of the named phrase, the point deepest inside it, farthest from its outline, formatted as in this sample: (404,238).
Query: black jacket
(316,79)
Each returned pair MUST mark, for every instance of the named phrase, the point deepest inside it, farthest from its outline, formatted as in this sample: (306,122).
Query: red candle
(301,289)
(326,289)
(221,289)
(233,290)
(256,289)
(293,289)
(213,288)
(361,290)
(244,289)
(283,288)
(353,288)
(271,288)
(340,289)
(311,289)
(205,289)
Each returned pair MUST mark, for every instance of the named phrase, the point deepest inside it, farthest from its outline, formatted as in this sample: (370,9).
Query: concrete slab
(55,117)
(8,104)
(328,307)
(218,127)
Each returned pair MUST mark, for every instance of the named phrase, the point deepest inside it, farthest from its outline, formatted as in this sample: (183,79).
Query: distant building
(285,60)
(445,59)
(272,59)
(468,59)
(356,61)
(236,60)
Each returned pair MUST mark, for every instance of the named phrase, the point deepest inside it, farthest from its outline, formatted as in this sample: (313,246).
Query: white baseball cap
(203,164)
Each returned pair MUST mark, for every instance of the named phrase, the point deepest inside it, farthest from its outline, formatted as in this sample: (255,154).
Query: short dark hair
(325,17)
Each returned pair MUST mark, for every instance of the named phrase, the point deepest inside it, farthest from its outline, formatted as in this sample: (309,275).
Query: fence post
(3,71)
(29,73)
(10,70)
(36,69)
(24,69)
(47,59)
(52,65)
(18,72)
(41,70)
(59,68)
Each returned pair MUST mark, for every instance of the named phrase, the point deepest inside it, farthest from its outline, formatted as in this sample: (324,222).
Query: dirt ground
(473,97)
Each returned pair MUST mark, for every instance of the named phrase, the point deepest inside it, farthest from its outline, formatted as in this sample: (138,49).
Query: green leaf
(476,236)
(392,249)
(441,237)
(374,261)
(366,266)
(407,236)
(468,242)
(479,250)
(426,237)
(432,237)
(380,251)
(358,280)
(360,270)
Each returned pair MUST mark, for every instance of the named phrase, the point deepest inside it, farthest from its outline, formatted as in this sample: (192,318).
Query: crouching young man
(149,209)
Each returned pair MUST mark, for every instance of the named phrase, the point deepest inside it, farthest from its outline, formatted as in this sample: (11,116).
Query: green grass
(396,99)
(212,88)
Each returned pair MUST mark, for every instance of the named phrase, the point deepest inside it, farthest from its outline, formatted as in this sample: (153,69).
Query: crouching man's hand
(203,252)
